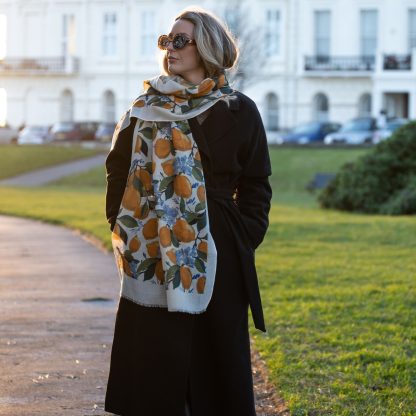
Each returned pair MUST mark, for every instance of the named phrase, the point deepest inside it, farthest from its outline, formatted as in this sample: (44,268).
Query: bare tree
(250,39)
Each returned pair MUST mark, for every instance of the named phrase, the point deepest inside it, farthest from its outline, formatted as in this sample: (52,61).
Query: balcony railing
(340,63)
(53,65)
(393,62)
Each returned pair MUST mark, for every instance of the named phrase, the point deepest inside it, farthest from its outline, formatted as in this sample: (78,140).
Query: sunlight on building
(3,22)
(3,106)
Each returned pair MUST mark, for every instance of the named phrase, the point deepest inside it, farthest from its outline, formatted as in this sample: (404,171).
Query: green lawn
(24,158)
(338,289)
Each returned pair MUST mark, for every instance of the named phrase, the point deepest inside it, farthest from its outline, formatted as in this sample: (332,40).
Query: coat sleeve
(254,192)
(117,168)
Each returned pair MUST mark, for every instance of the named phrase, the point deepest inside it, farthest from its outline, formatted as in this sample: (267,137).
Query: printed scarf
(162,243)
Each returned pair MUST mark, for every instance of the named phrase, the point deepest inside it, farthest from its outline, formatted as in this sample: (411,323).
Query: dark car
(74,131)
(105,132)
(314,131)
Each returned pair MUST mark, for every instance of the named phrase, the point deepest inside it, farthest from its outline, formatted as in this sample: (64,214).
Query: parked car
(356,131)
(105,132)
(34,135)
(391,126)
(74,131)
(8,134)
(314,131)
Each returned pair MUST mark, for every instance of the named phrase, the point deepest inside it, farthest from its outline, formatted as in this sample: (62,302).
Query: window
(323,33)
(364,105)
(3,35)
(68,34)
(320,107)
(66,106)
(369,29)
(109,107)
(148,31)
(272,44)
(412,29)
(110,34)
(272,108)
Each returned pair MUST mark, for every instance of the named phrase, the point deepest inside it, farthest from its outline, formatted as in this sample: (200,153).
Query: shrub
(382,181)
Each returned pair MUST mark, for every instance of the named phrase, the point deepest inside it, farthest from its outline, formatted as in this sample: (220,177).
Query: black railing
(59,65)
(340,63)
(393,62)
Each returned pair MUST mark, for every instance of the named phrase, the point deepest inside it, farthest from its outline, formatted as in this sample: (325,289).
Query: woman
(188,199)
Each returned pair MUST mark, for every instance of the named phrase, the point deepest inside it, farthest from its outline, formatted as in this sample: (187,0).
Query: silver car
(356,131)
(390,127)
(34,135)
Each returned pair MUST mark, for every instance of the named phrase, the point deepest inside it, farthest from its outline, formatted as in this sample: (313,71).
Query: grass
(338,289)
(25,158)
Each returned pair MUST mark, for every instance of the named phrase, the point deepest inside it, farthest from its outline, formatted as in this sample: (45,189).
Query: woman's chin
(172,68)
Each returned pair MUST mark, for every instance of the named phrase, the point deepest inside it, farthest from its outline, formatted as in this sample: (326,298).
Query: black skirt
(162,361)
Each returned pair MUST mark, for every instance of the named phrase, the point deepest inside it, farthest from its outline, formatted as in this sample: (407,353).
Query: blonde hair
(215,44)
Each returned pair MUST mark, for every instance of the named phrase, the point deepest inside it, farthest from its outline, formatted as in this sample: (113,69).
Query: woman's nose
(170,47)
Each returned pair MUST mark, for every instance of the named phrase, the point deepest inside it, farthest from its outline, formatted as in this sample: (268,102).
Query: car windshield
(63,127)
(306,128)
(394,125)
(357,125)
(35,129)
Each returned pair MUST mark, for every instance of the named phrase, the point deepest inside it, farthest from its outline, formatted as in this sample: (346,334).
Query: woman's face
(185,62)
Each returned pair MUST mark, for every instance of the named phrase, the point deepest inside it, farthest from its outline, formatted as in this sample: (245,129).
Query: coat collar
(220,121)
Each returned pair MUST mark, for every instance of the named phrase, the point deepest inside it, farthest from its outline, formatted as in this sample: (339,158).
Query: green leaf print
(123,234)
(200,265)
(197,174)
(164,183)
(147,132)
(174,240)
(176,280)
(202,255)
(170,274)
(182,206)
(137,183)
(150,272)
(200,206)
(169,191)
(128,221)
(202,222)
(144,148)
(144,265)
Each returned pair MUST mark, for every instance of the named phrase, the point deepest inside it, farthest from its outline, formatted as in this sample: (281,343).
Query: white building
(326,59)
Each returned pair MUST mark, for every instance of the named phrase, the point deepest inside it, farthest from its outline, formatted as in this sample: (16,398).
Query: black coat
(236,164)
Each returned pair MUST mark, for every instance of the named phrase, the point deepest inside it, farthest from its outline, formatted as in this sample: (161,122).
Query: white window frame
(148,33)
(272,111)
(411,30)
(273,33)
(68,34)
(320,100)
(366,38)
(322,34)
(109,35)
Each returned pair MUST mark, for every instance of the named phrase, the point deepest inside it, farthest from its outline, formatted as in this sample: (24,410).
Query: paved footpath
(58,298)
(43,176)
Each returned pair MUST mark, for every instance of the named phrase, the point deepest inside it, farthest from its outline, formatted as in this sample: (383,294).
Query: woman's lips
(171,59)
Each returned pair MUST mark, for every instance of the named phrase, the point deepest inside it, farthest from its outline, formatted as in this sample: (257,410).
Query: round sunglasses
(179,41)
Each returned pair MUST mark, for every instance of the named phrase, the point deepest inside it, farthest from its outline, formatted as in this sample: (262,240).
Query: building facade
(322,59)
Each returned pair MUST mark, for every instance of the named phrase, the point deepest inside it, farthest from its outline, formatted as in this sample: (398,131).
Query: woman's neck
(194,77)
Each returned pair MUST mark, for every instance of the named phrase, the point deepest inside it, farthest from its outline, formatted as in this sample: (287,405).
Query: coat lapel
(210,132)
